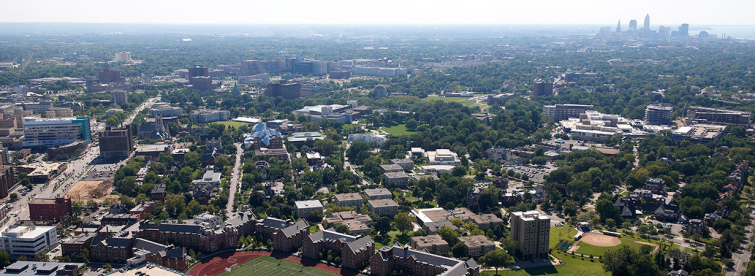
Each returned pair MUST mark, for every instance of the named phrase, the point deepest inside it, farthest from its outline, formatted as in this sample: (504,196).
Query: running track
(218,264)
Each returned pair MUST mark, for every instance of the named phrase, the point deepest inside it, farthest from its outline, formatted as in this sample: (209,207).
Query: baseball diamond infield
(600,239)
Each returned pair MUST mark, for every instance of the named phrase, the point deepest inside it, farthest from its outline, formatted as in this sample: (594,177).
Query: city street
(742,254)
(234,181)
(80,167)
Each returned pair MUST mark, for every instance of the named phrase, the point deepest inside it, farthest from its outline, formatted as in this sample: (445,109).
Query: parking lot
(536,173)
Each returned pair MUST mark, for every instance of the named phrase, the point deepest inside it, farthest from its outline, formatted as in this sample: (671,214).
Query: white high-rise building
(532,230)
(123,57)
(28,240)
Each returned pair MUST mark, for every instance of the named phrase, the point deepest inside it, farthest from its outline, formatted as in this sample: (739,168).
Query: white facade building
(122,56)
(443,157)
(55,132)
(367,138)
(209,115)
(28,240)
(165,110)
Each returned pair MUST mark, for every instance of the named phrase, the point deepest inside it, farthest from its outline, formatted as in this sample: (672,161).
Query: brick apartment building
(143,209)
(413,262)
(48,209)
(477,245)
(77,244)
(383,207)
(7,179)
(355,252)
(432,243)
(350,199)
(128,250)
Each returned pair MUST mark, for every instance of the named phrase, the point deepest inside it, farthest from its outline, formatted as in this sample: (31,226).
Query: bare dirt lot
(600,239)
(97,190)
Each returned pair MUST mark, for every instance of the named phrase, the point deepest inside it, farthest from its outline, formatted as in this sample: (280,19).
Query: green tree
(459,250)
(496,258)
(382,225)
(4,259)
(448,234)
(628,262)
(403,222)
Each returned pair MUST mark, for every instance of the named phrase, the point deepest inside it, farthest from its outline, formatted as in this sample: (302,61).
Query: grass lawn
(409,197)
(561,233)
(397,130)
(313,229)
(461,100)
(264,265)
(231,123)
(588,249)
(571,266)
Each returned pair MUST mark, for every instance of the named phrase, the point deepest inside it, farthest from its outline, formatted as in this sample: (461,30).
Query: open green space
(572,266)
(397,130)
(265,265)
(231,124)
(561,233)
(461,100)
(588,249)
(313,229)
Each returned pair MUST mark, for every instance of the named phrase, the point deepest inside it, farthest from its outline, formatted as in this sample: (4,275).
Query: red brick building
(48,209)
(291,237)
(188,235)
(355,252)
(77,244)
(7,179)
(128,250)
(110,250)
(143,209)
(413,262)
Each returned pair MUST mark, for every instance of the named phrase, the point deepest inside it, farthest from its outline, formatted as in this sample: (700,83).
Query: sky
(602,12)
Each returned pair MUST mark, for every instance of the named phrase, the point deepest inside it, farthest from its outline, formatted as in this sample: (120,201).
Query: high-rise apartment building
(199,78)
(659,114)
(119,97)
(560,112)
(664,31)
(532,230)
(116,143)
(719,116)
(684,30)
(542,88)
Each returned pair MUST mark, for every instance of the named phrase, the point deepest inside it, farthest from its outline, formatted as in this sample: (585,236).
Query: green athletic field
(264,265)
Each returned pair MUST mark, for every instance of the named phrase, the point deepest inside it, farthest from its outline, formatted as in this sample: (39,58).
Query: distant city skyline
(668,13)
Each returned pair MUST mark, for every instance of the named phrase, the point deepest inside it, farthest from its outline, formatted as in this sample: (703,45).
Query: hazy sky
(604,12)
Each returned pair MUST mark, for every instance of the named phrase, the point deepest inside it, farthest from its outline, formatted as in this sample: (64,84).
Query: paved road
(742,256)
(234,181)
(80,167)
